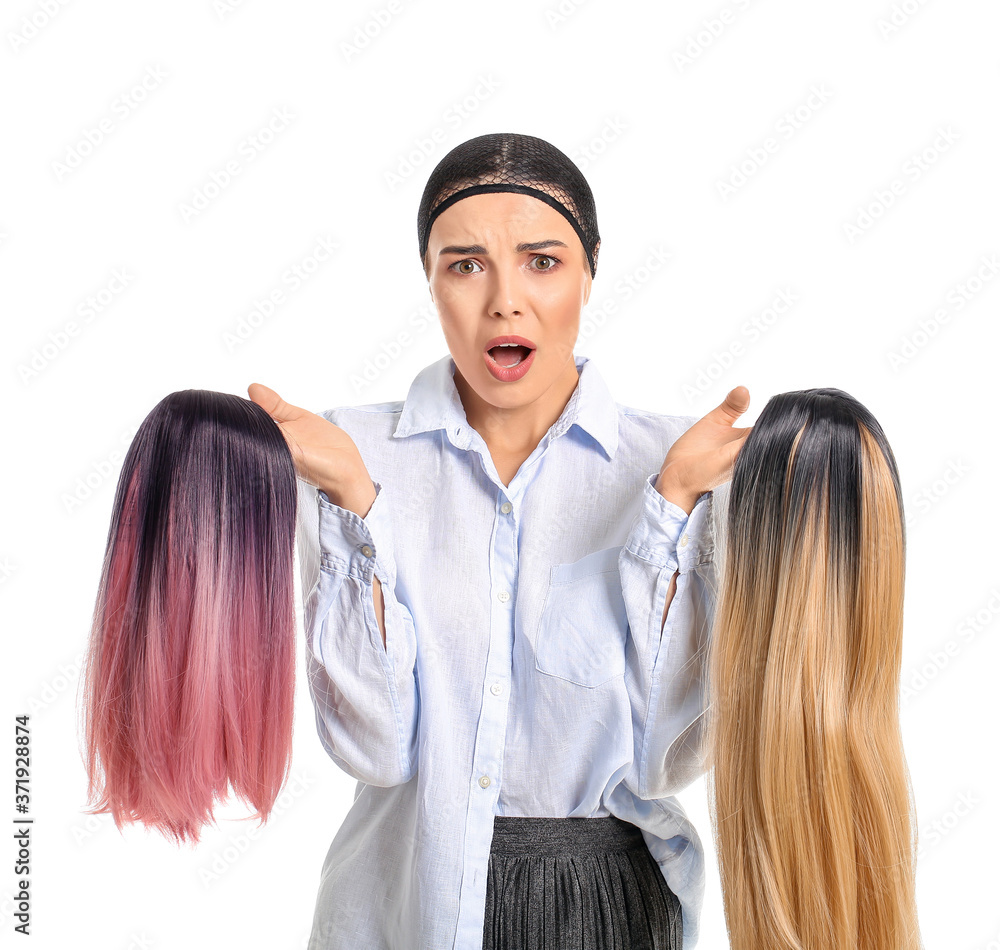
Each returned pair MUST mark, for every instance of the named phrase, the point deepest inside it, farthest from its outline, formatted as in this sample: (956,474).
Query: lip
(519,340)
(508,374)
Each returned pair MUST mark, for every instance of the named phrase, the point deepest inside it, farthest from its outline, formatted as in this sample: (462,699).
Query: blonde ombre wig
(810,795)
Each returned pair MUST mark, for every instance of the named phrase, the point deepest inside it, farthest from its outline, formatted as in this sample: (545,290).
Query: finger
(737,402)
(272,403)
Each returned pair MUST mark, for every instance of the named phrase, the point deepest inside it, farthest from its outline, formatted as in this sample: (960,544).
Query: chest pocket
(581,634)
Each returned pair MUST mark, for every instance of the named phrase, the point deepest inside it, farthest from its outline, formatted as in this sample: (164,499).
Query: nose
(506,294)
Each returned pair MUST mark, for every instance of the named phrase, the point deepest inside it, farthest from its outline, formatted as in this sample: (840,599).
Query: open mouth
(508,354)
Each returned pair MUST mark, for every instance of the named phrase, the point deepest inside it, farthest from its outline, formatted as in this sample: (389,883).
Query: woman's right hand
(324,454)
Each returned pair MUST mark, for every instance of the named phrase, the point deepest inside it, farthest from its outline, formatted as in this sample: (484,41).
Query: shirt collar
(433,403)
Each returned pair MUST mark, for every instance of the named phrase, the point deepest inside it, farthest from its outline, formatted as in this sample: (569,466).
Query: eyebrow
(479,249)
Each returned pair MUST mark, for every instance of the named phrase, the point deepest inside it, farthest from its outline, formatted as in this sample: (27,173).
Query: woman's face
(508,264)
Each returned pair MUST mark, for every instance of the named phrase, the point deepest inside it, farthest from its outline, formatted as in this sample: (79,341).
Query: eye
(547,260)
(460,265)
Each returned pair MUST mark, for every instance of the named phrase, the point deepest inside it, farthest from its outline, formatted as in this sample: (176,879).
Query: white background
(657,107)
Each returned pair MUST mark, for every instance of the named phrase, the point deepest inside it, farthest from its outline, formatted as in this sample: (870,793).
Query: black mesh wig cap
(506,161)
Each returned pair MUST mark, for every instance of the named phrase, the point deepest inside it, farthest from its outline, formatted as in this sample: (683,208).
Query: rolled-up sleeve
(364,692)
(666,670)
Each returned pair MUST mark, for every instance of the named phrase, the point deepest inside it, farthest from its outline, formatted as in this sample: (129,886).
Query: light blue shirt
(524,671)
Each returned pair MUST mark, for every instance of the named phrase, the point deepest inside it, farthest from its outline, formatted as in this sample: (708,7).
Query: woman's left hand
(703,456)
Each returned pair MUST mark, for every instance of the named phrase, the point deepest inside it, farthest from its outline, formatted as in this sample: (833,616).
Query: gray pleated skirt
(576,884)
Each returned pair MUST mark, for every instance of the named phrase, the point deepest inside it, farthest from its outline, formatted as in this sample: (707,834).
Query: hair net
(507,161)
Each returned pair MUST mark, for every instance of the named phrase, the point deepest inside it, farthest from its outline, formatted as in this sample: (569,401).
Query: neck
(517,430)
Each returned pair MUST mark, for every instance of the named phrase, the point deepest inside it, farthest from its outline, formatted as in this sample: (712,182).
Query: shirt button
(503,596)
(684,540)
(485,781)
(506,507)
(496,689)
(366,550)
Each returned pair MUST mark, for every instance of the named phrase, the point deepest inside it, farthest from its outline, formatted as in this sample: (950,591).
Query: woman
(490,568)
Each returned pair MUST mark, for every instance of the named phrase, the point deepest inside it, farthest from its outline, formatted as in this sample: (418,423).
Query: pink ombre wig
(189,679)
